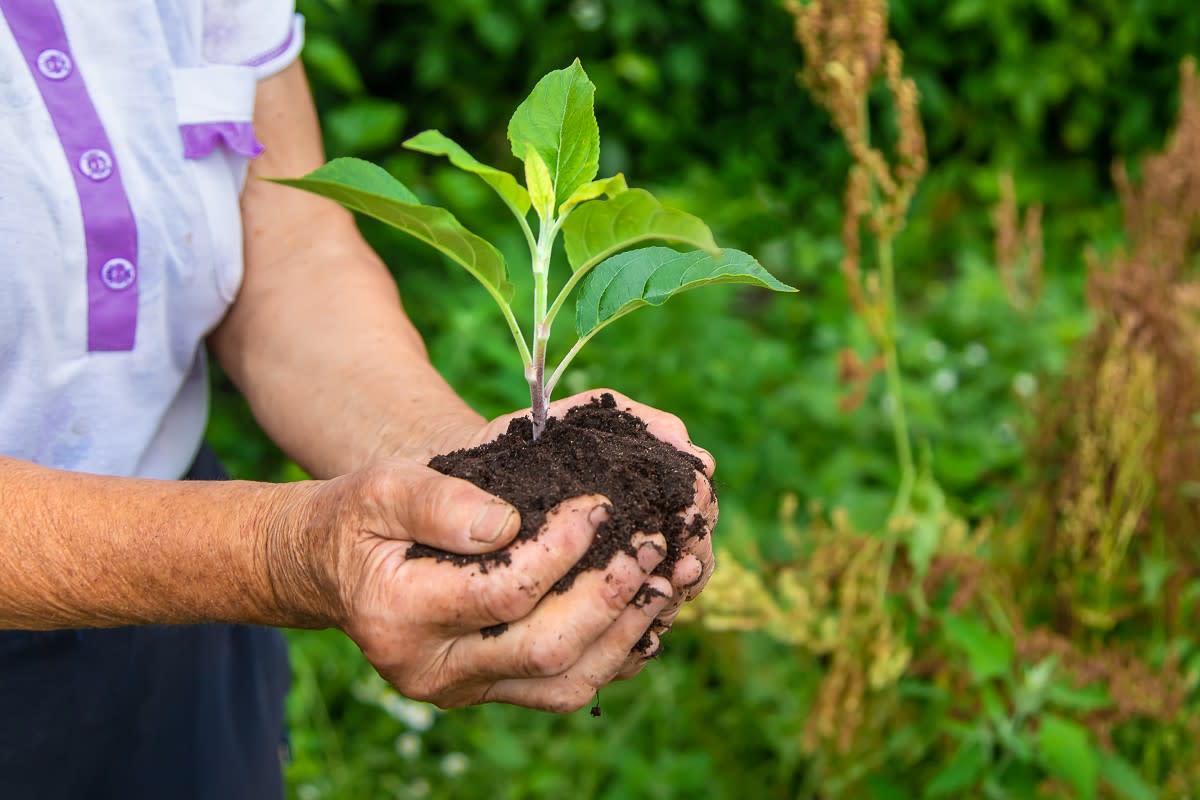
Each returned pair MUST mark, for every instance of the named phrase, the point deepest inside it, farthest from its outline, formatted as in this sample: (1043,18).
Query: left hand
(696,565)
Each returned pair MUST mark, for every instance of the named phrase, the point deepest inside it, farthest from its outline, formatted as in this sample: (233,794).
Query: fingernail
(650,600)
(598,514)
(649,556)
(491,522)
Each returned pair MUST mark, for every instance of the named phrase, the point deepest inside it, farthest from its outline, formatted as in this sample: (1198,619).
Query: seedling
(555,134)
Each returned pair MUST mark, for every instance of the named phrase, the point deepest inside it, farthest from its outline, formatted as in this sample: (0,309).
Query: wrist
(432,434)
(299,547)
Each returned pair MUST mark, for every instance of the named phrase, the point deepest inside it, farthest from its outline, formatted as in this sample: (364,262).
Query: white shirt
(124,140)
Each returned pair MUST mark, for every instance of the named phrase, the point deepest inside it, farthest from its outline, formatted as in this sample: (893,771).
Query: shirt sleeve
(264,34)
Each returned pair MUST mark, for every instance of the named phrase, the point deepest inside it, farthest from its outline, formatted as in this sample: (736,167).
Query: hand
(696,565)
(419,621)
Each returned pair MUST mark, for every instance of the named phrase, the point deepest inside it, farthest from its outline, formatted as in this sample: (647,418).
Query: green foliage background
(699,101)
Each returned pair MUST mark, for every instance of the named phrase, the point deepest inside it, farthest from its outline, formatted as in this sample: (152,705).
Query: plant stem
(895,383)
(535,373)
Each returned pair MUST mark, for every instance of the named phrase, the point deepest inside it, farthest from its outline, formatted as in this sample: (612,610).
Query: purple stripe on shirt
(110,230)
(275,53)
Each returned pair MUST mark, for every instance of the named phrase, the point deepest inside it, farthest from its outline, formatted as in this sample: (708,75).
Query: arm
(73,555)
(318,313)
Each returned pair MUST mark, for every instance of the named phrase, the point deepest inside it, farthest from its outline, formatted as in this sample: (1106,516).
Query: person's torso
(120,227)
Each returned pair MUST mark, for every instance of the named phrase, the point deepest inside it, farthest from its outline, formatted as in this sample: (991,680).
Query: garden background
(997,681)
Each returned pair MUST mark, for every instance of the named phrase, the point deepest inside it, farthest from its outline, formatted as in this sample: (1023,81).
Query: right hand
(342,557)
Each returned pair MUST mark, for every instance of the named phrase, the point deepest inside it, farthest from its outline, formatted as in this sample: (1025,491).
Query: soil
(594,449)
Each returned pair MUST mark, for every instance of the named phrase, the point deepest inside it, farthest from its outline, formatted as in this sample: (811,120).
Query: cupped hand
(457,635)
(695,566)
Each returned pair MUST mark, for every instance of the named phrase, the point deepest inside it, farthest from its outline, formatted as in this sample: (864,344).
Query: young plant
(555,134)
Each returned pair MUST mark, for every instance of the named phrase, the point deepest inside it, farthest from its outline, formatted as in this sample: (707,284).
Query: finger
(648,648)
(447,513)
(576,687)
(661,424)
(688,571)
(500,593)
(704,503)
(563,626)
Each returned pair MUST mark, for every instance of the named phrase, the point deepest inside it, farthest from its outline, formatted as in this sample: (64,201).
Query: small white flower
(408,745)
(306,791)
(945,381)
(454,764)
(588,14)
(418,788)
(1024,384)
(418,716)
(935,351)
(976,355)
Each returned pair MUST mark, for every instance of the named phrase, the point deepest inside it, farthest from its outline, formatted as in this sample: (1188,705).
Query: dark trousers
(144,713)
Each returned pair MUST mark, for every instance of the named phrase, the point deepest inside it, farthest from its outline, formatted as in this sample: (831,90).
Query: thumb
(447,513)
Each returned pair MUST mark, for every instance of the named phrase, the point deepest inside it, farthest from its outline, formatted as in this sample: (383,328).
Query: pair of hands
(418,621)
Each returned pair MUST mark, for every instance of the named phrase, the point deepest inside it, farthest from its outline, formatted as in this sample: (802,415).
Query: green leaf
(928,521)
(436,144)
(558,119)
(1124,779)
(989,655)
(652,275)
(1087,698)
(365,125)
(960,773)
(600,229)
(326,60)
(364,187)
(590,191)
(541,188)
(1066,753)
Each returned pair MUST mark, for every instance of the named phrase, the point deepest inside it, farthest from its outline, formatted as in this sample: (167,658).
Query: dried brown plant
(1119,443)
(1018,247)
(847,50)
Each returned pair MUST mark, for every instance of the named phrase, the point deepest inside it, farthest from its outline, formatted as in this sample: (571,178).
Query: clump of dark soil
(593,449)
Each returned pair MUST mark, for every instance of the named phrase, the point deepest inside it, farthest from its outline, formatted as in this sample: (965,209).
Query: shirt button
(96,164)
(118,274)
(54,64)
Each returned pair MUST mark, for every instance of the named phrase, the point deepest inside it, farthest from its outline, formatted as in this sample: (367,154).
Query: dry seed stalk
(847,51)
(1018,247)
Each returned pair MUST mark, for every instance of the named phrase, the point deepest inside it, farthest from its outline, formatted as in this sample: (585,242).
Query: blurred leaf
(1124,779)
(989,655)
(326,60)
(1085,699)
(962,771)
(1066,752)
(365,125)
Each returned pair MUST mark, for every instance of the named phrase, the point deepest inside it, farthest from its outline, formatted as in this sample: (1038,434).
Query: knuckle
(547,658)
(569,697)
(379,483)
(510,596)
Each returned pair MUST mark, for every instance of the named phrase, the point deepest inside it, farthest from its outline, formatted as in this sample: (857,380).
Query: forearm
(331,366)
(317,340)
(82,550)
